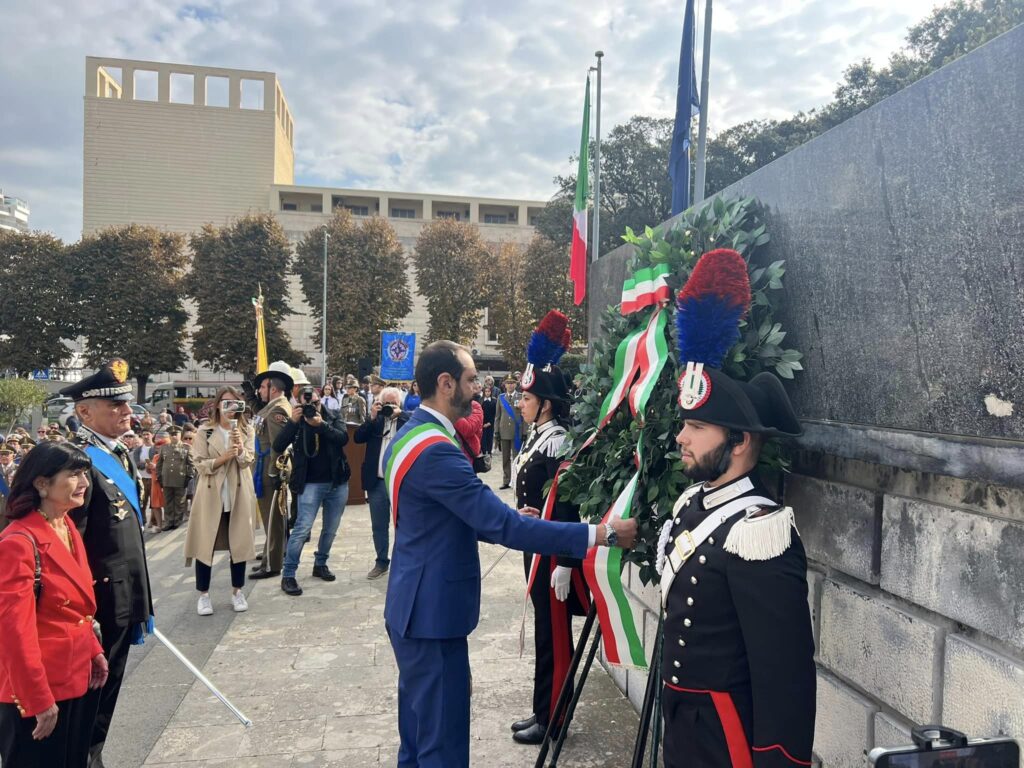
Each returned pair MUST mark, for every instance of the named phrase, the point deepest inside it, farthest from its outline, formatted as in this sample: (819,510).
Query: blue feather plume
(541,350)
(706,328)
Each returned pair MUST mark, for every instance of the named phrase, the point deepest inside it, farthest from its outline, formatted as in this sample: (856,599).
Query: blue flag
(397,352)
(687,106)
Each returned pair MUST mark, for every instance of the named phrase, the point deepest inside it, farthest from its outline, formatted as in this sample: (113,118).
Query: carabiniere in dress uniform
(737,664)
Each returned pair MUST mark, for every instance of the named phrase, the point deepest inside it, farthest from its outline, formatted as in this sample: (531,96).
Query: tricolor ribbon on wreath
(639,360)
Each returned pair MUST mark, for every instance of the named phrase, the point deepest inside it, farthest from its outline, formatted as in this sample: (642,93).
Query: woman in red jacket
(50,655)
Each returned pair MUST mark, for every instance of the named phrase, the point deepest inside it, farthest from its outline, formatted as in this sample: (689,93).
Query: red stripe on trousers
(560,639)
(782,749)
(735,738)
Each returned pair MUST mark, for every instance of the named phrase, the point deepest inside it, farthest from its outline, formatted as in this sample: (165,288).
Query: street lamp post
(323,318)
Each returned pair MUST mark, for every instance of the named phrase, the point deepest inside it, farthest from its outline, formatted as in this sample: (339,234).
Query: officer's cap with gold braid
(548,343)
(109,383)
(709,309)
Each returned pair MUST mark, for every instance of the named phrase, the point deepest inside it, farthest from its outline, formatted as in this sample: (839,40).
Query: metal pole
(594,645)
(201,678)
(596,250)
(323,319)
(702,130)
(651,694)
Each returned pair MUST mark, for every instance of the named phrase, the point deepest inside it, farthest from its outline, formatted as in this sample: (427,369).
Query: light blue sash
(109,466)
(518,441)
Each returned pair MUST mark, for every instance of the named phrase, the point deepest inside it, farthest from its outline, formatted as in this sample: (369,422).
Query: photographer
(320,475)
(378,432)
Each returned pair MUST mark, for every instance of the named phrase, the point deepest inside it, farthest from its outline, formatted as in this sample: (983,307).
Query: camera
(308,409)
(387,410)
(938,747)
(233,408)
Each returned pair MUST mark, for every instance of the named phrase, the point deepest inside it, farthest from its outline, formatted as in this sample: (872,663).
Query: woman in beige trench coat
(224,513)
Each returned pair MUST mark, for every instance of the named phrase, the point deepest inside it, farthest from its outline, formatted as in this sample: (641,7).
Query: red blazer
(47,648)
(471,429)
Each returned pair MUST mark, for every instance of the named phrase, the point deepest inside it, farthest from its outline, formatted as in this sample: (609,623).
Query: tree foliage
(367,285)
(546,284)
(34,317)
(127,287)
(17,398)
(451,268)
(229,266)
(510,315)
(600,473)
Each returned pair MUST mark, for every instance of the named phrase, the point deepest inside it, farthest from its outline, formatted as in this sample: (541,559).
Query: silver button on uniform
(693,580)
(702,559)
(687,623)
(689,601)
(711,540)
(682,643)
(675,680)
(676,664)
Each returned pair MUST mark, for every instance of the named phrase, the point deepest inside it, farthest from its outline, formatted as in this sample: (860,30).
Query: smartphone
(1001,752)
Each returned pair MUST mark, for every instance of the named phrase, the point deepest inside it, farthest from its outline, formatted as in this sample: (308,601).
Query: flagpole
(323,319)
(702,130)
(597,166)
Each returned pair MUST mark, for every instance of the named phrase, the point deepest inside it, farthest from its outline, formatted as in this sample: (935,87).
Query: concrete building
(13,213)
(178,146)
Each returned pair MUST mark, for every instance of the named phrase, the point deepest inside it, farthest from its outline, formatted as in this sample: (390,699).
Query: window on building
(403,213)
(495,218)
(317,207)
(146,81)
(289,207)
(216,91)
(492,336)
(183,88)
(454,215)
(358,210)
(533,220)
(252,94)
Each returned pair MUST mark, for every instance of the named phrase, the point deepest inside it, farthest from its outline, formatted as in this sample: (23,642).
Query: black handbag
(482,463)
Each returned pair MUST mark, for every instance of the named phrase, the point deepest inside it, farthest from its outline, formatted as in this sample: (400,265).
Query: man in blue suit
(441,510)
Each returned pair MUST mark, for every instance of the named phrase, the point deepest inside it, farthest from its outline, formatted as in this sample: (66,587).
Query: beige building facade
(177,146)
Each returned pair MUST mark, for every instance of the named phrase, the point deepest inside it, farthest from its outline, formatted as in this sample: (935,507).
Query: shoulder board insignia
(762,534)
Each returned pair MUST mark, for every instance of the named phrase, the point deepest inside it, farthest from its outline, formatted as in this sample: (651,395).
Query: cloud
(449,96)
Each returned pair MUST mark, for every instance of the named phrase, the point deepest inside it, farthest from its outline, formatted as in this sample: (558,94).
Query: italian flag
(647,287)
(578,259)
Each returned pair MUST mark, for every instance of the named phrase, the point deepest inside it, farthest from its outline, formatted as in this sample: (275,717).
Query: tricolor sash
(518,441)
(404,454)
(114,471)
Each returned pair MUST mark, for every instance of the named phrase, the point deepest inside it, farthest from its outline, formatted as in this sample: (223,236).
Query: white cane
(202,678)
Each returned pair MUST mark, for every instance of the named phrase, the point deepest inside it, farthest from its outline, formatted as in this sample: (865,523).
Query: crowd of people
(738,671)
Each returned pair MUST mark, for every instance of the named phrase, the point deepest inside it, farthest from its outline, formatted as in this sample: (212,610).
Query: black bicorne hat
(109,383)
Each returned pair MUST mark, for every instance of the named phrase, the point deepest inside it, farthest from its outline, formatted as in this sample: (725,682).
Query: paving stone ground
(317,676)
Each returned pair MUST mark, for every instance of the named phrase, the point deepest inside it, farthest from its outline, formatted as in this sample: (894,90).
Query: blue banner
(397,352)
(687,106)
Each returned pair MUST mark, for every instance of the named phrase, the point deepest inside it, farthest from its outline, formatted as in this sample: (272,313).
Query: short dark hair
(439,357)
(278,383)
(45,460)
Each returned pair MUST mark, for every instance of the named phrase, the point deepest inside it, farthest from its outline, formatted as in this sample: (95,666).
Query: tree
(546,284)
(17,397)
(127,290)
(367,284)
(34,317)
(509,314)
(229,266)
(451,261)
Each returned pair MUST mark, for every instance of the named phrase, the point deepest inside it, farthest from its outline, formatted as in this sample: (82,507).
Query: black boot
(532,735)
(323,572)
(290,586)
(262,574)
(522,725)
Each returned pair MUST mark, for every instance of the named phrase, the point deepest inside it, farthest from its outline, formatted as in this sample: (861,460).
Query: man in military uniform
(176,469)
(509,429)
(738,654)
(273,386)
(111,522)
(7,469)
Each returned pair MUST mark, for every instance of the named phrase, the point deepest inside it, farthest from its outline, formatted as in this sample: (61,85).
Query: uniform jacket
(371,432)
(268,425)
(742,627)
(207,505)
(444,510)
(113,543)
(176,467)
(505,425)
(48,646)
(353,409)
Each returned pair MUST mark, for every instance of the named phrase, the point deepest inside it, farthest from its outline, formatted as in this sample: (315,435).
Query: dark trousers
(380,521)
(175,506)
(705,729)
(487,440)
(66,747)
(204,573)
(433,702)
(552,634)
(117,641)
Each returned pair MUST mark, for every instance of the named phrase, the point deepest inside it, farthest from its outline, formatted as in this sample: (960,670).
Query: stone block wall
(908,484)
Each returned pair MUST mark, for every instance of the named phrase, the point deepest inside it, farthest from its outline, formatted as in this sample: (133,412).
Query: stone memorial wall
(903,235)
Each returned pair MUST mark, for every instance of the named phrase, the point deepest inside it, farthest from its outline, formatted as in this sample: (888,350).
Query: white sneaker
(238,602)
(205,607)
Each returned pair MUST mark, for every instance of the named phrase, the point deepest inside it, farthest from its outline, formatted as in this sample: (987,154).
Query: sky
(467,97)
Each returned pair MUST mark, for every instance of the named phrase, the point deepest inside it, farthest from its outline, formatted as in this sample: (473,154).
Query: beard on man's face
(710,466)
(461,403)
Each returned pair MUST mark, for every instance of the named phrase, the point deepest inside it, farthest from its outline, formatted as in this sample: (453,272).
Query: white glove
(560,579)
